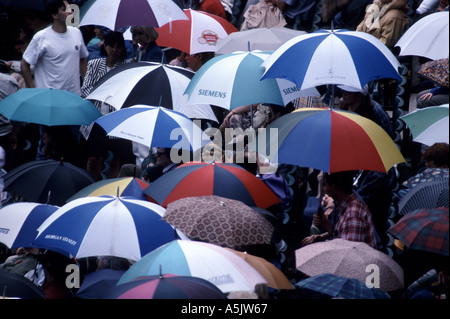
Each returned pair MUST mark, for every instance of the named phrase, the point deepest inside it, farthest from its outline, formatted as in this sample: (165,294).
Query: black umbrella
(425,195)
(16,286)
(47,181)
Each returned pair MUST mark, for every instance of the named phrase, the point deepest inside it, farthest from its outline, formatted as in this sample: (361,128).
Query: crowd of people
(355,204)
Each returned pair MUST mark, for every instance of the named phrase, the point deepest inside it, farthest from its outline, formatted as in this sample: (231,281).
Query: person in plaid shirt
(353,218)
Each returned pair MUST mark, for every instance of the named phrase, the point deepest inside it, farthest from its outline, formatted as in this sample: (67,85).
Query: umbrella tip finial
(61,160)
(118,191)
(160,272)
(248,46)
(48,197)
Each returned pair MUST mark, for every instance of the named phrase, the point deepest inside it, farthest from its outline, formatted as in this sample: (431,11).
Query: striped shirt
(354,221)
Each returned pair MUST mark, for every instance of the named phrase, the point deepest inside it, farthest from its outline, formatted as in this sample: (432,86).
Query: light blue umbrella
(48,107)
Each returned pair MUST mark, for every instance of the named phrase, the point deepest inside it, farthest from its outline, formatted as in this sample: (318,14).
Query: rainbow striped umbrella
(331,141)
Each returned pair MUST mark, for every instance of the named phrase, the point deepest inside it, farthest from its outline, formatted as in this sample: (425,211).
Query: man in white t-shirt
(58,53)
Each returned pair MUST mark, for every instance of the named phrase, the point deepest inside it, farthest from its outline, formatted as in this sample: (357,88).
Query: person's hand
(309,240)
(426,96)
(327,201)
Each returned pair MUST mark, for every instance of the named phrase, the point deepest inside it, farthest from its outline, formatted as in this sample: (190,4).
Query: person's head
(276,111)
(114,46)
(163,156)
(338,183)
(353,98)
(195,61)
(100,32)
(56,10)
(144,34)
(436,156)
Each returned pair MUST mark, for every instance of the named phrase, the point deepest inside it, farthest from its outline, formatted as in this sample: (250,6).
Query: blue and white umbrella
(332,57)
(233,80)
(105,226)
(19,222)
(154,127)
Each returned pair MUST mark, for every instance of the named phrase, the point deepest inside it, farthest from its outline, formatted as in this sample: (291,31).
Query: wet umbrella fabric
(332,286)
(48,107)
(165,286)
(218,220)
(222,179)
(96,283)
(436,71)
(105,226)
(17,286)
(425,230)
(19,222)
(46,181)
(349,259)
(198,259)
(425,195)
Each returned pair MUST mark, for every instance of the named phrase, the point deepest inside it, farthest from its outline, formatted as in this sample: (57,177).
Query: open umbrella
(427,37)
(125,186)
(198,259)
(424,229)
(19,222)
(154,127)
(46,181)
(218,220)
(332,286)
(96,283)
(148,83)
(105,226)
(350,259)
(264,39)
(222,179)
(332,57)
(165,286)
(17,286)
(48,107)
(274,276)
(117,14)
(428,125)
(239,82)
(425,195)
(436,71)
(200,33)
(331,141)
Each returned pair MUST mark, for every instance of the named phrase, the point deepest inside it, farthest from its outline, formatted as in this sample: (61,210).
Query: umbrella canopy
(424,229)
(46,181)
(264,39)
(349,259)
(165,286)
(222,179)
(149,83)
(239,82)
(200,33)
(154,127)
(425,195)
(192,258)
(436,71)
(117,14)
(105,226)
(48,107)
(427,37)
(274,276)
(333,286)
(331,141)
(428,125)
(121,186)
(332,57)
(19,222)
(218,220)
(17,286)
(97,282)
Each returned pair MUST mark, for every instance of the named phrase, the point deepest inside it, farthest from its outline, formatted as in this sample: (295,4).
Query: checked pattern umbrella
(424,229)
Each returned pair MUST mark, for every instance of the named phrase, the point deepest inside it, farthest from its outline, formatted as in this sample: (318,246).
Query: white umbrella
(428,37)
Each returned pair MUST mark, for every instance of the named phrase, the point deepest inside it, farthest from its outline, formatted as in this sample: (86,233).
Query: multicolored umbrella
(105,226)
(218,220)
(239,82)
(19,222)
(427,37)
(332,286)
(424,229)
(436,71)
(200,33)
(117,14)
(331,141)
(429,125)
(48,107)
(154,127)
(332,57)
(198,259)
(222,179)
(121,186)
(167,286)
(148,83)
(352,260)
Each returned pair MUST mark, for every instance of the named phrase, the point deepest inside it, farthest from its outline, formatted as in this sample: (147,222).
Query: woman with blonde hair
(144,38)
